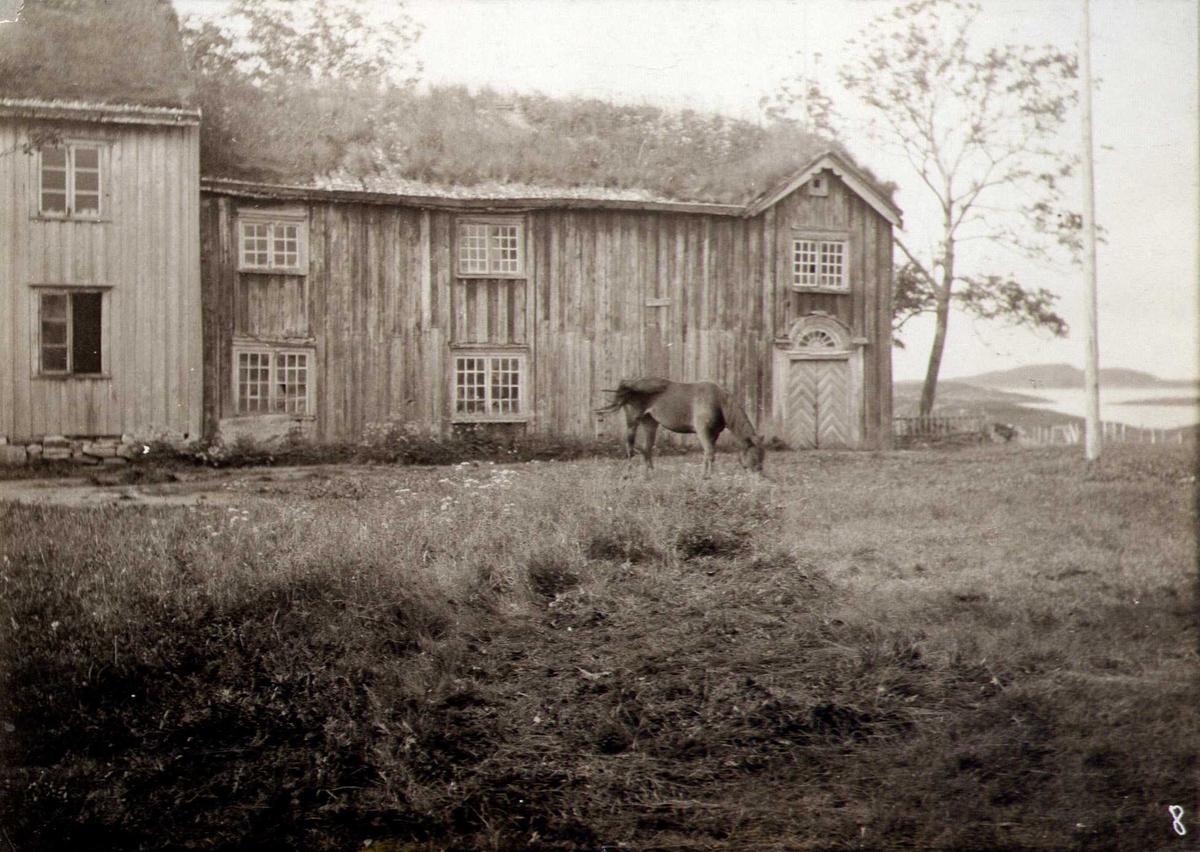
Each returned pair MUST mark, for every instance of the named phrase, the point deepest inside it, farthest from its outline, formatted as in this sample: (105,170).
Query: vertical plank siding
(13,361)
(867,309)
(143,253)
(607,293)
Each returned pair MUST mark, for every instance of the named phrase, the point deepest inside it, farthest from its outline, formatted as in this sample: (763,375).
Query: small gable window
(70,181)
(820,264)
(491,248)
(273,241)
(818,185)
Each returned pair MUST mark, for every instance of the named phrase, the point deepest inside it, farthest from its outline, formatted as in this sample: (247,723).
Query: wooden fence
(1113,433)
(912,430)
(938,426)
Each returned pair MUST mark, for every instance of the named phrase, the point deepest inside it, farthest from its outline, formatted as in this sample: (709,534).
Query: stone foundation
(111,451)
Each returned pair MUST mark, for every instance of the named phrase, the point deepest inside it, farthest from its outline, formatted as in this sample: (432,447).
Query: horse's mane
(735,417)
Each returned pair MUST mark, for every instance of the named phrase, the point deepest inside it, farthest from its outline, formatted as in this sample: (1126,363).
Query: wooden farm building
(137,298)
(100,330)
(383,306)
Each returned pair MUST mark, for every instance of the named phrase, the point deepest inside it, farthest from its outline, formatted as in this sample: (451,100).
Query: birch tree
(980,127)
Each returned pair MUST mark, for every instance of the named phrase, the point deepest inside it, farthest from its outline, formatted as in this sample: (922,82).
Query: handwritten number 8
(1177,820)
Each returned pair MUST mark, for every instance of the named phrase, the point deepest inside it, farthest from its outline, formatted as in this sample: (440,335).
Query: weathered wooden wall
(867,308)
(361,307)
(608,293)
(621,294)
(144,253)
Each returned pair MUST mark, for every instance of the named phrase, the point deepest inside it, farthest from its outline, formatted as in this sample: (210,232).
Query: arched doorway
(817,364)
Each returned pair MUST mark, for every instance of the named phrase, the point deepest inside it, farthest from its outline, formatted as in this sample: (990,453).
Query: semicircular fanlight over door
(816,338)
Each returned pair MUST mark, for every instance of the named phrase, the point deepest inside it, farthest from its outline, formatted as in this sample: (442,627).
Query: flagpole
(1091,371)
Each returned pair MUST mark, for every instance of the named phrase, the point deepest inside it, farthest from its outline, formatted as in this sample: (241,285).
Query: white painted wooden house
(100,330)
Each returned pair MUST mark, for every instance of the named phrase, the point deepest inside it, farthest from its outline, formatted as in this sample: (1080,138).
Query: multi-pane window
(490,248)
(488,385)
(254,382)
(70,181)
(820,264)
(272,244)
(285,245)
(472,247)
(256,241)
(69,325)
(504,248)
(291,382)
(504,396)
(270,381)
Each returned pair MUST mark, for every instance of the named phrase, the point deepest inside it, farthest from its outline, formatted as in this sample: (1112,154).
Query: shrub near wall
(393,443)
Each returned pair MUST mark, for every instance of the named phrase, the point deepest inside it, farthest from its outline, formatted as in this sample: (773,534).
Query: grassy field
(981,648)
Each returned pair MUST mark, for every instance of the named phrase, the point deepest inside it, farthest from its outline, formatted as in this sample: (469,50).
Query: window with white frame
(819,264)
(491,248)
(70,331)
(489,386)
(273,241)
(70,180)
(269,380)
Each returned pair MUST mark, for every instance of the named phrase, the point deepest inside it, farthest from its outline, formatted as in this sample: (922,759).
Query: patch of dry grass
(991,648)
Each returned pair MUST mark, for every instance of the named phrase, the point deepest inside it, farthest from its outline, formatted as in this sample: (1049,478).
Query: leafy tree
(979,126)
(297,87)
(990,297)
(270,41)
(291,91)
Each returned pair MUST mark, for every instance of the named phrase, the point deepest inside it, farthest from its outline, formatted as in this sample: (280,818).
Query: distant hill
(998,397)
(1036,376)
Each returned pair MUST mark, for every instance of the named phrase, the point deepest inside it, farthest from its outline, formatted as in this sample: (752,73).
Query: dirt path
(136,487)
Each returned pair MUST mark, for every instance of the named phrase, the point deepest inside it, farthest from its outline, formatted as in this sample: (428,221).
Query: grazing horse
(702,407)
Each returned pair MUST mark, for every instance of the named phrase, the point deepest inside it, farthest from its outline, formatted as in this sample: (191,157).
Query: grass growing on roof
(447,136)
(64,50)
(991,648)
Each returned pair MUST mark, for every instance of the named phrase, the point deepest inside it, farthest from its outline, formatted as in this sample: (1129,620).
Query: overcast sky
(724,55)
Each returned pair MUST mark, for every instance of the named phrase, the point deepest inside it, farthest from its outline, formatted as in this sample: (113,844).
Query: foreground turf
(989,648)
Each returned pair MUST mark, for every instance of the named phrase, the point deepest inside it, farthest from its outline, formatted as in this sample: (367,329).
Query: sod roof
(451,143)
(65,57)
(390,189)
(97,52)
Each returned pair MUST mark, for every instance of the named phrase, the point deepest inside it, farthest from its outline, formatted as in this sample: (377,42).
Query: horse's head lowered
(753,454)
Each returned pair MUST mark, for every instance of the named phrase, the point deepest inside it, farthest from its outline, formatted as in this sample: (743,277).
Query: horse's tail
(619,400)
(633,390)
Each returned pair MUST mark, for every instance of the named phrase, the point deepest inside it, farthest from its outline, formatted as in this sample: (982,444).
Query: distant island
(1189,401)
(1056,376)
(1018,397)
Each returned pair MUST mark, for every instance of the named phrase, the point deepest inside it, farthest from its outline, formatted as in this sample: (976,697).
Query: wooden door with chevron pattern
(818,404)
